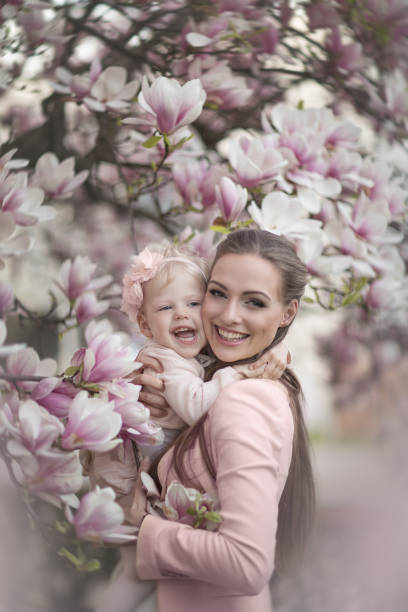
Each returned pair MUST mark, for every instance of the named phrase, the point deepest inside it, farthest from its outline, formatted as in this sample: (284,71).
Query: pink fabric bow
(143,268)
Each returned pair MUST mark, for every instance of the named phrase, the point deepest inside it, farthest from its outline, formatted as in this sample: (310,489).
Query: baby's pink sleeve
(251,430)
(186,392)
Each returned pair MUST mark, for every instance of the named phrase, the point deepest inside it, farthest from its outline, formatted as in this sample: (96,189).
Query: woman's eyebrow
(250,292)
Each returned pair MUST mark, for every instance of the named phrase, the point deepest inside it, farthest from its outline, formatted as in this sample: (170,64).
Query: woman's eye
(256,303)
(216,293)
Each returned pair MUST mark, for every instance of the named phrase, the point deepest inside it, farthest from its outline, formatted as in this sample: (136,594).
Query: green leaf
(308,300)
(91,387)
(352,298)
(71,371)
(62,526)
(211,105)
(93,565)
(213,516)
(152,141)
(182,142)
(219,228)
(64,552)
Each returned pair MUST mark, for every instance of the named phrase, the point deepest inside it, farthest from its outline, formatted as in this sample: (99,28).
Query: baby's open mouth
(185,333)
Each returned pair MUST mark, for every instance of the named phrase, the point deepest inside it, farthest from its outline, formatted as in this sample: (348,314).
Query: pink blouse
(249,432)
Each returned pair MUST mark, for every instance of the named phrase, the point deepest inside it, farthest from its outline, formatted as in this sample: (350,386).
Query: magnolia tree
(172,120)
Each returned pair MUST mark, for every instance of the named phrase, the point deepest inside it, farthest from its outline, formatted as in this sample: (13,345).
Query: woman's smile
(230,336)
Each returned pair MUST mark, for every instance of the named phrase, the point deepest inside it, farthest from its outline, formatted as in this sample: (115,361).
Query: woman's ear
(143,325)
(289,313)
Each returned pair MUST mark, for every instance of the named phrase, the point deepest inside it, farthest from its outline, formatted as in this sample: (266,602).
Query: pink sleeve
(251,429)
(186,392)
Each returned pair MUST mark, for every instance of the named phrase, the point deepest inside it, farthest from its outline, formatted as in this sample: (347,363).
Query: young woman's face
(243,308)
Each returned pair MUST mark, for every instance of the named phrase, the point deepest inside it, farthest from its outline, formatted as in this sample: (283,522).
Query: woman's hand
(152,386)
(271,365)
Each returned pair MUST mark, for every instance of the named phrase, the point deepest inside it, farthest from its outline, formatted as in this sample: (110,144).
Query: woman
(250,449)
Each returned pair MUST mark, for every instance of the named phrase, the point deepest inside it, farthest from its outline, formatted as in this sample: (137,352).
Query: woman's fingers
(149,380)
(156,403)
(150,362)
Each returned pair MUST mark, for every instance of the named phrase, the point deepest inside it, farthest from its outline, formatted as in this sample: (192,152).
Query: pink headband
(143,268)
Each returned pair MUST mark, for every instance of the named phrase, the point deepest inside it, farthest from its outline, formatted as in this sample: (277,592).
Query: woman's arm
(251,430)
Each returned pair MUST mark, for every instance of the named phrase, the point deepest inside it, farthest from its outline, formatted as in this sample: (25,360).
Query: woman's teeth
(229,335)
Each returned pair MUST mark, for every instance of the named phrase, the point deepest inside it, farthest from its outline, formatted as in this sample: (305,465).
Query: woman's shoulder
(252,398)
(262,390)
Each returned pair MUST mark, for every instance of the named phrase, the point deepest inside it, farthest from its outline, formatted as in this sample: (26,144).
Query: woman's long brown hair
(297,503)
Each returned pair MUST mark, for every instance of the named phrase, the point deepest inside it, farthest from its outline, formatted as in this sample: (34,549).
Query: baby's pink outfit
(188,396)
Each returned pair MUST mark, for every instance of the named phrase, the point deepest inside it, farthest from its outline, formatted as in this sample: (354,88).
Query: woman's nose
(231,313)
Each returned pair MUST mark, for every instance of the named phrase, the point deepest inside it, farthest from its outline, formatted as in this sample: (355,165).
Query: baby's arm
(271,365)
(186,392)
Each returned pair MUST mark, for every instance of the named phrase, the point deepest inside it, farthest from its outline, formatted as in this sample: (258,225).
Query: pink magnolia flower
(200,243)
(231,199)
(23,202)
(189,506)
(369,219)
(196,180)
(321,14)
(132,412)
(316,127)
(170,104)
(8,163)
(223,88)
(92,424)
(11,242)
(255,160)
(111,92)
(269,37)
(76,277)
(346,57)
(40,28)
(105,359)
(6,296)
(54,395)
(310,251)
(381,184)
(34,429)
(27,363)
(57,179)
(99,518)
(143,268)
(146,433)
(387,293)
(78,85)
(283,215)
(89,307)
(53,475)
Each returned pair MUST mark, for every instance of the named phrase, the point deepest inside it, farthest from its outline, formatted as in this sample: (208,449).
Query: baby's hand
(271,365)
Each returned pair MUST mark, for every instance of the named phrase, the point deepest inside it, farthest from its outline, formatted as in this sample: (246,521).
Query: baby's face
(172,314)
